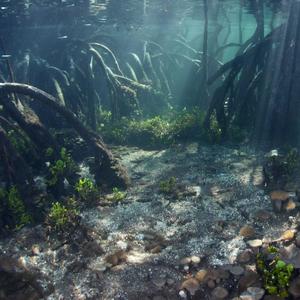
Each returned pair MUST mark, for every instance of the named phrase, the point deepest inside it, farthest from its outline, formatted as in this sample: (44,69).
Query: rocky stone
(185,261)
(278,199)
(156,249)
(253,293)
(255,243)
(249,279)
(211,284)
(195,260)
(200,275)
(291,255)
(182,294)
(287,235)
(291,205)
(219,293)
(295,287)
(247,231)
(262,215)
(236,270)
(35,250)
(245,256)
(191,285)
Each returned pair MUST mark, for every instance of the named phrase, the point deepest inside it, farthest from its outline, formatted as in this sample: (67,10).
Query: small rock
(287,235)
(236,270)
(245,256)
(295,287)
(182,294)
(186,268)
(211,284)
(185,261)
(247,231)
(252,293)
(195,260)
(156,249)
(291,205)
(219,293)
(35,249)
(255,243)
(249,279)
(200,275)
(262,215)
(191,285)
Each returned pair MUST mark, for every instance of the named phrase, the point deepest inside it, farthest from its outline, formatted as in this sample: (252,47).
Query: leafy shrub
(118,195)
(86,189)
(168,186)
(276,273)
(214,133)
(63,217)
(186,125)
(291,160)
(156,131)
(61,168)
(13,209)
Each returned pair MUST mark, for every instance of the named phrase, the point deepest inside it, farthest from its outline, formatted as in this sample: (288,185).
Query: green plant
(49,152)
(61,168)
(17,208)
(168,186)
(213,133)
(186,124)
(276,273)
(61,217)
(118,195)
(292,160)
(86,189)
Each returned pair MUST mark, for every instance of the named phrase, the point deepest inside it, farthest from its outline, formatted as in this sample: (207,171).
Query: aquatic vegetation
(155,132)
(292,160)
(86,189)
(61,168)
(118,195)
(213,133)
(168,186)
(276,273)
(63,217)
(14,214)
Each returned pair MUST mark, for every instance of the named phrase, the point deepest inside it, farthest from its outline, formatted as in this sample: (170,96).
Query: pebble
(182,294)
(287,235)
(253,293)
(200,275)
(195,260)
(219,293)
(255,243)
(211,284)
(247,231)
(236,270)
(185,261)
(191,285)
(245,256)
(35,249)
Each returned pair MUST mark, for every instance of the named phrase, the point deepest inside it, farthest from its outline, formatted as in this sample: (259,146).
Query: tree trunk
(108,170)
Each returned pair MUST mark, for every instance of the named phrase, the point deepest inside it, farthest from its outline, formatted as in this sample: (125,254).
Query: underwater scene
(149,149)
